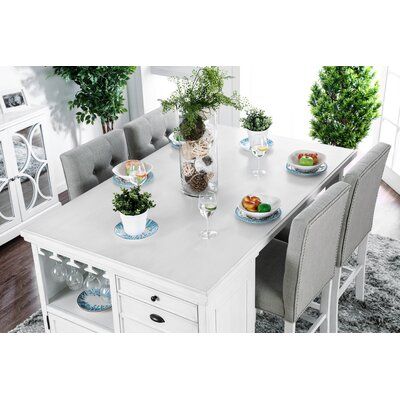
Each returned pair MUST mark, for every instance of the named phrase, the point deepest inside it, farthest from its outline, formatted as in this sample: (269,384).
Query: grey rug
(379,313)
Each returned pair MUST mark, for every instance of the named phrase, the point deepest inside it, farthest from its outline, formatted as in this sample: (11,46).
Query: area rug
(379,313)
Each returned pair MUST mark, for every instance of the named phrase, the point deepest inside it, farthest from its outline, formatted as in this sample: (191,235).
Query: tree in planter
(198,95)
(100,92)
(344,102)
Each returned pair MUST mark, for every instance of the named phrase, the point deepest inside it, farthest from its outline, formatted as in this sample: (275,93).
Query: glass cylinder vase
(198,160)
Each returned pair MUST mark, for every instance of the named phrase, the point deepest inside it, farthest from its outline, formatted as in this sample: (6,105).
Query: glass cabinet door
(33,171)
(9,209)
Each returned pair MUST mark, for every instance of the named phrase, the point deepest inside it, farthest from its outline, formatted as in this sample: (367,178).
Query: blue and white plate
(151,229)
(322,168)
(90,300)
(245,145)
(243,217)
(122,183)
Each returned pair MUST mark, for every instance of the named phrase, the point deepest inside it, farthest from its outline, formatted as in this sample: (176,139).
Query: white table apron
(200,285)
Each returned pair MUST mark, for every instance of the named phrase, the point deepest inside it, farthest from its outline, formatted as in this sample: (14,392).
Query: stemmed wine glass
(258,147)
(59,272)
(207,204)
(138,173)
(105,293)
(74,279)
(92,282)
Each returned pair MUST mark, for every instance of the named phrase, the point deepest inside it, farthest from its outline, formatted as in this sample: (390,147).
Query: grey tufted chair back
(364,179)
(312,249)
(91,163)
(148,133)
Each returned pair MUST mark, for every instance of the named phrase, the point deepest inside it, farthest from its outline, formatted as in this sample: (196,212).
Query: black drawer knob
(157,318)
(154,298)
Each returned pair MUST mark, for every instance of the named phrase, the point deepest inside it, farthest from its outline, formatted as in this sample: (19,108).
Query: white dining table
(200,285)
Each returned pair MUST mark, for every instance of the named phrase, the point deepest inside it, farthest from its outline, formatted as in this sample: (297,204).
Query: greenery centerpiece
(198,98)
(133,206)
(100,94)
(256,120)
(344,102)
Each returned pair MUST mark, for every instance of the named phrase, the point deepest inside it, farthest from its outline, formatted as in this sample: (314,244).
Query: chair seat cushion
(270,269)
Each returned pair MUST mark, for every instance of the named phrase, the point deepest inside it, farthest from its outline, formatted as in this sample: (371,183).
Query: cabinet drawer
(130,326)
(154,317)
(158,299)
(61,325)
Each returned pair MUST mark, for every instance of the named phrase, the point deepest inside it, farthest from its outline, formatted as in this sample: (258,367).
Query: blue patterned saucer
(322,168)
(90,300)
(244,143)
(151,229)
(240,215)
(122,183)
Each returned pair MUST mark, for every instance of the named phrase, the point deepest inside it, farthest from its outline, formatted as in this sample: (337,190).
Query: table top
(176,252)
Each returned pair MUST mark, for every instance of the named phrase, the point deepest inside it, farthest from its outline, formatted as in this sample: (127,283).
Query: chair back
(148,133)
(91,163)
(364,179)
(313,249)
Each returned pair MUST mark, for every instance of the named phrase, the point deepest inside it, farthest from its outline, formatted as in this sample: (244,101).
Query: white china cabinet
(26,176)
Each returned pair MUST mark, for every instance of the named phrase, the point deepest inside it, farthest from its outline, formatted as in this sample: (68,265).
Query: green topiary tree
(343,103)
(101,92)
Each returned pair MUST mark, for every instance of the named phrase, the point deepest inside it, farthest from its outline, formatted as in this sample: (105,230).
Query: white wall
(43,88)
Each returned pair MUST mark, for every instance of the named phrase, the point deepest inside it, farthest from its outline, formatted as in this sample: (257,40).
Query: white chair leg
(333,314)
(361,260)
(289,327)
(326,307)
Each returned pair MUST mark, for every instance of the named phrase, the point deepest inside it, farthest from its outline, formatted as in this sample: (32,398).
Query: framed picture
(13,100)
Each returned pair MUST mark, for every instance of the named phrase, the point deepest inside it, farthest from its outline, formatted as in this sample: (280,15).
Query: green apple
(264,207)
(306,161)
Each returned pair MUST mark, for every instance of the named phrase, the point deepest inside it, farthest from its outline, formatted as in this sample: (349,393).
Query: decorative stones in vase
(198,160)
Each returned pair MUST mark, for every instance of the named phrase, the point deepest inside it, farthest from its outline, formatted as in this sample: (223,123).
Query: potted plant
(198,98)
(100,94)
(256,120)
(344,102)
(133,207)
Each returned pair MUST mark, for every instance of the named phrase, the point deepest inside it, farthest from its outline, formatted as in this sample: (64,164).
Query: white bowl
(120,170)
(294,162)
(273,201)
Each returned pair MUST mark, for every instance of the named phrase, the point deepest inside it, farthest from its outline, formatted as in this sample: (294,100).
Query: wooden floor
(19,297)
(18,292)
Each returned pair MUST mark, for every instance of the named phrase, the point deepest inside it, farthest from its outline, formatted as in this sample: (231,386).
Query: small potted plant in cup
(133,206)
(256,120)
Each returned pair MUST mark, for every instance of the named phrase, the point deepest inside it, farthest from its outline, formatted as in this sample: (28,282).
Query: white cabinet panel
(61,325)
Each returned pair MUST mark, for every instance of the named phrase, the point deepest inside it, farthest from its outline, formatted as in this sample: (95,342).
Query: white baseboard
(392,179)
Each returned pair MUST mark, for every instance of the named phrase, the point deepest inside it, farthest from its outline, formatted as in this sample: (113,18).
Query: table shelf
(64,304)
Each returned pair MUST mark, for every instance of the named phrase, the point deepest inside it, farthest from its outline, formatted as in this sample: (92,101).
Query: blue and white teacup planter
(134,224)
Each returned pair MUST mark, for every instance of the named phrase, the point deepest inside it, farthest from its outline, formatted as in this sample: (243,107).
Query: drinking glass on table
(138,173)
(207,205)
(259,147)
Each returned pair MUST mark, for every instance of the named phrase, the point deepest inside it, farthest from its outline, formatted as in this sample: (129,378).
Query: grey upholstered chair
(364,179)
(91,163)
(289,276)
(148,133)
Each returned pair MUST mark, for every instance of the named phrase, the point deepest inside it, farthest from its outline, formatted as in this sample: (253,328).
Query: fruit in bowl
(260,206)
(306,160)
